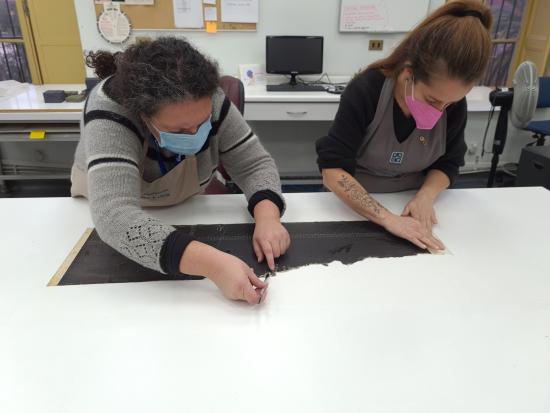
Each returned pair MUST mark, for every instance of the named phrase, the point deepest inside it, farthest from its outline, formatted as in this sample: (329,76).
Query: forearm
(201,259)
(119,219)
(436,182)
(354,195)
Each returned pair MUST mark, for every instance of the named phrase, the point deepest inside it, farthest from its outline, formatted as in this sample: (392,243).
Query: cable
(320,81)
(489,119)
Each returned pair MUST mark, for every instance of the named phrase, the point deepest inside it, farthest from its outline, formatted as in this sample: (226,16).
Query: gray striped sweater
(110,151)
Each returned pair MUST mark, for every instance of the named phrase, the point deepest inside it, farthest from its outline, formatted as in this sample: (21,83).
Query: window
(507,18)
(13,59)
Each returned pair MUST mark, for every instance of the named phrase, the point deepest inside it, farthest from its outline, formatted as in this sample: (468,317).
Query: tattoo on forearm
(358,194)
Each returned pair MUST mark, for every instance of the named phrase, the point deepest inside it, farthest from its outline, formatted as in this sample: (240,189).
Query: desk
(262,105)
(51,158)
(288,124)
(29,106)
(468,332)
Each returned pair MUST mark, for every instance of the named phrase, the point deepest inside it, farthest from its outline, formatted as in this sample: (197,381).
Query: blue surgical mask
(182,143)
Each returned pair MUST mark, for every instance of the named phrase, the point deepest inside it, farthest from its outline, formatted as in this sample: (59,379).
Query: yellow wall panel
(57,40)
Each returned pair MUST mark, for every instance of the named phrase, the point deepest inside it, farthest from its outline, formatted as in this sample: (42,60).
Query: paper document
(188,14)
(10,88)
(240,11)
(129,2)
(210,14)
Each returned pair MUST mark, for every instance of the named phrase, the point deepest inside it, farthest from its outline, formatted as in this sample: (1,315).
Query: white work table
(28,105)
(467,332)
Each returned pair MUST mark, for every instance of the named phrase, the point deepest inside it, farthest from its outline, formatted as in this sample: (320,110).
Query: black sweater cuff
(348,165)
(450,170)
(266,194)
(172,250)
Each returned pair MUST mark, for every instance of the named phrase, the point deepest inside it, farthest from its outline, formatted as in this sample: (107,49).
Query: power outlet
(376,44)
(472,149)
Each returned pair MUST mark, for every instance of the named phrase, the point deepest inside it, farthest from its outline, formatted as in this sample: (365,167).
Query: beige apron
(178,184)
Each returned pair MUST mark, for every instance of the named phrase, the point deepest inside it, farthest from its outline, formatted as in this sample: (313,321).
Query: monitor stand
(294,86)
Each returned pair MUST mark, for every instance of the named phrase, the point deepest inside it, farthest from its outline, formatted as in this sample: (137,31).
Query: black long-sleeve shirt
(358,104)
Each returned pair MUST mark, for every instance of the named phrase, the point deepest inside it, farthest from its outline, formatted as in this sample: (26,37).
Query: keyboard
(300,87)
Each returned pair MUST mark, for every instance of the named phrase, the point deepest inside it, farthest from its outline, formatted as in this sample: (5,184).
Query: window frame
(26,40)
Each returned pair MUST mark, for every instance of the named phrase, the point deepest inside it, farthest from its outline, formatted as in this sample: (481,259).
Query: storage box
(534,167)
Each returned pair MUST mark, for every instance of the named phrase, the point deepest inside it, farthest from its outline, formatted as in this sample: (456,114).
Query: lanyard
(160,161)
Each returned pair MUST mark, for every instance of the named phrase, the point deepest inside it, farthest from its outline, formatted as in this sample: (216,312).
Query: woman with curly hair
(153,132)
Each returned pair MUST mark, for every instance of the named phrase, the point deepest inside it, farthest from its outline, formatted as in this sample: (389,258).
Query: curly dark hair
(150,74)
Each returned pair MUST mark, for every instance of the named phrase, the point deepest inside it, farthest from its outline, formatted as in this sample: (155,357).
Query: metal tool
(266,281)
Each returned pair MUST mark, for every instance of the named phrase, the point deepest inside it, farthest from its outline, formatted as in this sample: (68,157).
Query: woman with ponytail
(400,124)
(153,132)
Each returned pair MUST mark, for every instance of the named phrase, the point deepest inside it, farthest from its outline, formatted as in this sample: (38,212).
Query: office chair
(541,128)
(234,90)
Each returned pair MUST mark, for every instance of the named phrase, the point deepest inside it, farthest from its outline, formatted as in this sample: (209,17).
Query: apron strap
(386,97)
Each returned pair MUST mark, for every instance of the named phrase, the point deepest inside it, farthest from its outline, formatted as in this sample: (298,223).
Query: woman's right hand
(237,280)
(411,230)
(231,275)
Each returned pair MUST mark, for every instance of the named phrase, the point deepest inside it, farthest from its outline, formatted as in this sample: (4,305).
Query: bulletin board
(381,15)
(160,16)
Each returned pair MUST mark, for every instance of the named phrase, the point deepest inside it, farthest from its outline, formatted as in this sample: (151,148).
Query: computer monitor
(294,55)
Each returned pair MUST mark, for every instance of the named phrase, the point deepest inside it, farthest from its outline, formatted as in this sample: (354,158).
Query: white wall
(345,53)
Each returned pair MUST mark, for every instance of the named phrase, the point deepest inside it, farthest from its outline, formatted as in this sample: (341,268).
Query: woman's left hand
(271,239)
(421,208)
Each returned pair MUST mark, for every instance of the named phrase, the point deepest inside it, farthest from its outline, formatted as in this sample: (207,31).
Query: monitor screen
(294,54)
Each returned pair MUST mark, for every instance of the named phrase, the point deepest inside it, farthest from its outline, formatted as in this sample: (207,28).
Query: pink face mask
(425,116)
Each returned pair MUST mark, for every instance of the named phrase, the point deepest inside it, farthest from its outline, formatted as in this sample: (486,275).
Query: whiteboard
(381,15)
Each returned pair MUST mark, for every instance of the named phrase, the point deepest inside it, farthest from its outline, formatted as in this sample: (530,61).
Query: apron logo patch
(397,157)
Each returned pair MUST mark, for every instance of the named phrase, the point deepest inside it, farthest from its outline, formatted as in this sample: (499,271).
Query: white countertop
(477,99)
(468,332)
(31,99)
(260,94)
(28,105)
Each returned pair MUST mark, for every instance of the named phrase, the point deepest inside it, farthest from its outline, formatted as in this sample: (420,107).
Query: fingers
(256,281)
(282,246)
(284,242)
(431,242)
(263,295)
(268,253)
(434,218)
(425,237)
(418,232)
(251,295)
(440,245)
(258,250)
(406,211)
(417,242)
(276,248)
(428,224)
